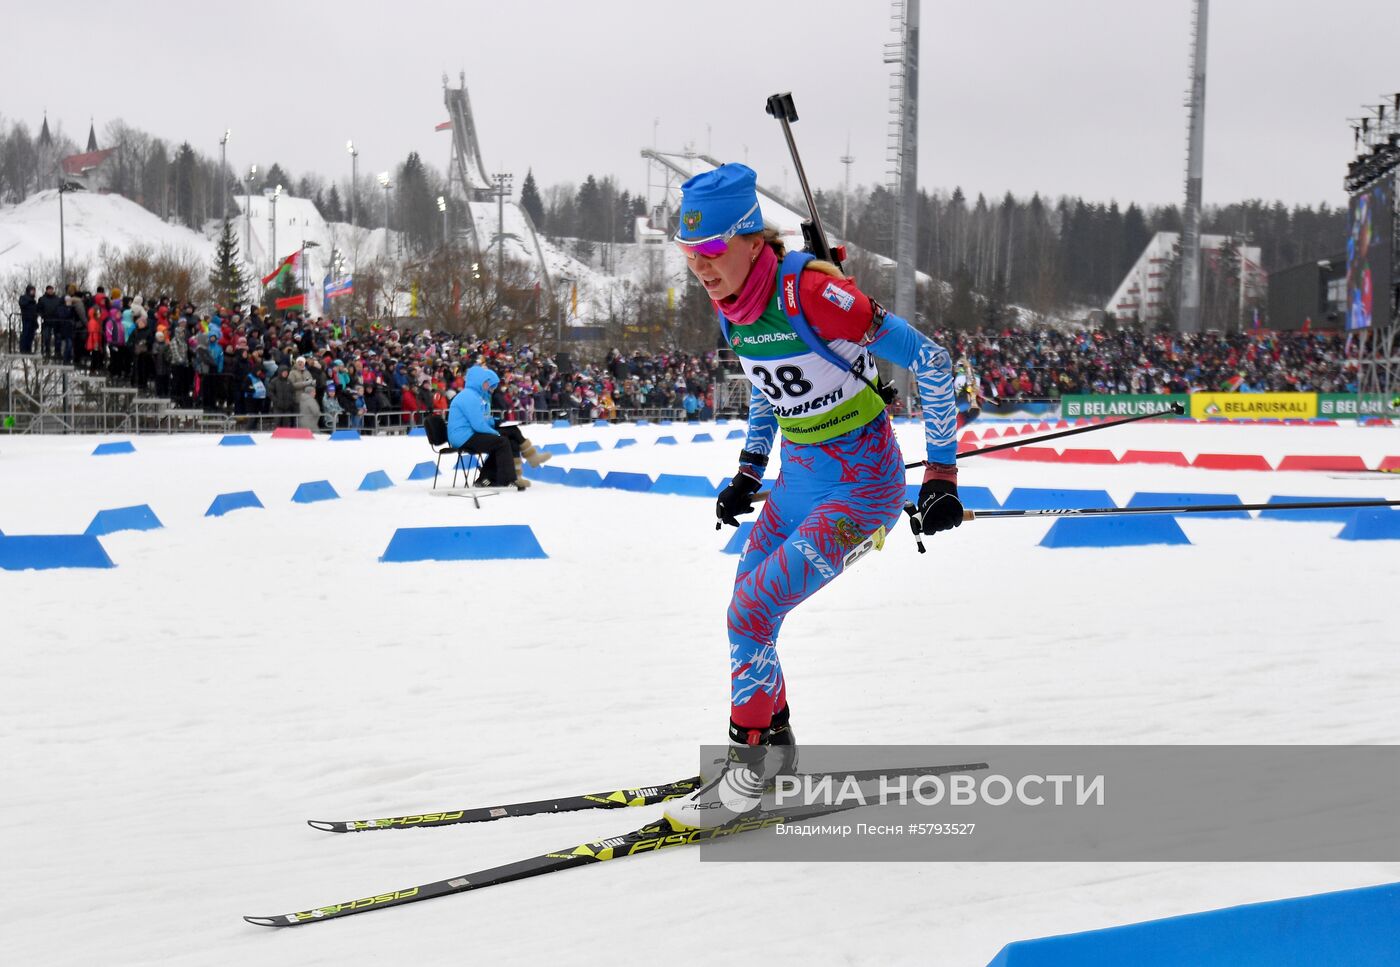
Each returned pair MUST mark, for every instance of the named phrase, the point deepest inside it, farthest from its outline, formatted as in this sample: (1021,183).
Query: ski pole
(1175,408)
(1197,509)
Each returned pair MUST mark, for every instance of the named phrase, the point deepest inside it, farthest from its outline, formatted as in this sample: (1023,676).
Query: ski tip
(263,921)
(325,826)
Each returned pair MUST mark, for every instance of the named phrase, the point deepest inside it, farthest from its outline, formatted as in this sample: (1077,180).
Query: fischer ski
(616,799)
(651,838)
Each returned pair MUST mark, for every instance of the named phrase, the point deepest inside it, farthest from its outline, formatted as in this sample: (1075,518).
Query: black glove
(737,498)
(939,507)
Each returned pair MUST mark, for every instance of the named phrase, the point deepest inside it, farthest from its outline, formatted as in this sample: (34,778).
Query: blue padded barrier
(236,500)
(635,482)
(376,480)
(1114,531)
(345,435)
(422,471)
(137,518)
(588,446)
(503,542)
(236,440)
(1037,498)
(105,449)
(1350,928)
(313,491)
(1165,498)
(683,485)
(43,552)
(1336,514)
(1372,524)
(580,477)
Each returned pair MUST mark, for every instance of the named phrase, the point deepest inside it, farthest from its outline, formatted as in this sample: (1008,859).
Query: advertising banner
(1345,405)
(1254,406)
(1072,407)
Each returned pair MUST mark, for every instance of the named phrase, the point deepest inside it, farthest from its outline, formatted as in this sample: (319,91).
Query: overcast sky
(1080,97)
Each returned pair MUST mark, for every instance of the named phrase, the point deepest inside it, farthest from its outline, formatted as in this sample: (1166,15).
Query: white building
(1144,293)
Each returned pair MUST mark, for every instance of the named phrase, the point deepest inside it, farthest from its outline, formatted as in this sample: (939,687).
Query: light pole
(63,189)
(272,222)
(502,181)
(354,175)
(248,217)
(386,185)
(223,174)
(442,207)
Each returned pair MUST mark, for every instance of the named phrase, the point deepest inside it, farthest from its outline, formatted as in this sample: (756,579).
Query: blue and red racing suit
(842,482)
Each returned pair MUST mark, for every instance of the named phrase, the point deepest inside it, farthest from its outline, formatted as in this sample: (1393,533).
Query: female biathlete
(807,339)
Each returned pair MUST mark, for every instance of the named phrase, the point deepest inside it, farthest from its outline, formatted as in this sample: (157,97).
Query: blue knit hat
(720,203)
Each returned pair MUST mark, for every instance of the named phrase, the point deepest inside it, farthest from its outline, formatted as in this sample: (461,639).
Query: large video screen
(1369,245)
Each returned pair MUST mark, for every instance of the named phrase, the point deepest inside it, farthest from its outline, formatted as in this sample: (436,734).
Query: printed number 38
(790,378)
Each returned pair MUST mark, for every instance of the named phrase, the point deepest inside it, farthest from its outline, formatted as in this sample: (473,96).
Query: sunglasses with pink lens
(715,245)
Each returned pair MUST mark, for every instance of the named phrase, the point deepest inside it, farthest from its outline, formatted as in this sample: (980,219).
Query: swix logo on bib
(838,297)
(790,292)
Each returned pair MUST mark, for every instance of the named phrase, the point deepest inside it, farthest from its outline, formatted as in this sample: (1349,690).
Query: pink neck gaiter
(745,306)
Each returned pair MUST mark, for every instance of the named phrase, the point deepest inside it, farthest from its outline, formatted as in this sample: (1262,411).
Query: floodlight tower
(1188,317)
(903,154)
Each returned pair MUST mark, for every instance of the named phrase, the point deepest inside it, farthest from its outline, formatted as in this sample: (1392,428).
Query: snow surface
(168,725)
(29,230)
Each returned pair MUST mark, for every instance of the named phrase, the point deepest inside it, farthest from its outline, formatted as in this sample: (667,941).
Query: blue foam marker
(551,474)
(417,431)
(237,500)
(43,552)
(643,422)
(1372,524)
(1335,514)
(345,435)
(376,480)
(664,422)
(1349,928)
(1037,498)
(120,446)
(973,498)
(735,435)
(683,485)
(582,477)
(626,441)
(635,482)
(667,441)
(601,423)
(236,440)
(558,449)
(1164,498)
(702,438)
(588,446)
(1136,531)
(137,518)
(495,543)
(560,424)
(313,491)
(738,539)
(423,471)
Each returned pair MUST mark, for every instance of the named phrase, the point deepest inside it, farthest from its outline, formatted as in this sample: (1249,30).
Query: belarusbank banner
(1254,406)
(1127,405)
(1347,405)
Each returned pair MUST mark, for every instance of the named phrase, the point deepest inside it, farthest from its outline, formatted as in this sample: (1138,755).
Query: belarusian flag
(288,264)
(291,302)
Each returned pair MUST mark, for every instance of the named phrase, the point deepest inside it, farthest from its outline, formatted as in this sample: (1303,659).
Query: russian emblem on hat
(724,200)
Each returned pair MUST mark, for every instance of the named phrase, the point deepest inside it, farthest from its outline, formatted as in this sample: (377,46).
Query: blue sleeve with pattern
(763,423)
(900,343)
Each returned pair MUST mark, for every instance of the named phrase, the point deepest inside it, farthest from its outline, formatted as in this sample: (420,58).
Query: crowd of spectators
(1046,363)
(326,373)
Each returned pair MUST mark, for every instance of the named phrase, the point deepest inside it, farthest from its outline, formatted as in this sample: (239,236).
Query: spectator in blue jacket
(470,426)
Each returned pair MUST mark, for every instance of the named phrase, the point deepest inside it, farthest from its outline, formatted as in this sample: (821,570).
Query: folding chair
(466,460)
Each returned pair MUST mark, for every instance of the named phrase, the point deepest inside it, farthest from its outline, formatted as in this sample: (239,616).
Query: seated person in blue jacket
(470,426)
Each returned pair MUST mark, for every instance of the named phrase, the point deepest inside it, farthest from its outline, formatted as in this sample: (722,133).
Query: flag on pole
(292,302)
(444,126)
(339,287)
(289,264)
